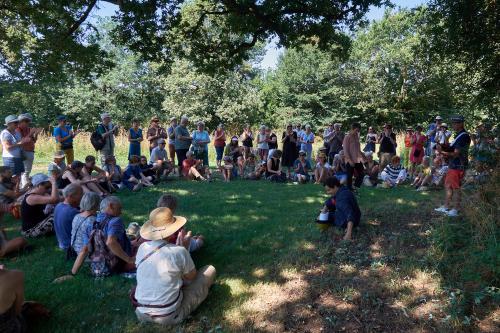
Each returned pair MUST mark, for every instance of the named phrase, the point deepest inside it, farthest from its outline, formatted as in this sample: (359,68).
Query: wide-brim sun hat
(161,224)
(59,154)
(439,118)
(11,119)
(38,179)
(25,116)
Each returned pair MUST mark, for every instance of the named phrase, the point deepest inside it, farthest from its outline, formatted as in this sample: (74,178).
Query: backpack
(102,261)
(97,140)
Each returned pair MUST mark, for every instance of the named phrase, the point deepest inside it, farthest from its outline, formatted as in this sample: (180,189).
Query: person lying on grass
(13,245)
(160,162)
(133,178)
(162,295)
(192,168)
(393,174)
(74,175)
(347,214)
(117,242)
(65,212)
(36,215)
(301,168)
(323,169)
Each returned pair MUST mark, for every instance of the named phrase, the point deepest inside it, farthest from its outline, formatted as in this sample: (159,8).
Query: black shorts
(181,155)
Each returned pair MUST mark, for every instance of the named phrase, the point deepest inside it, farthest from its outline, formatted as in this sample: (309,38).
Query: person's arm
(116,249)
(269,166)
(347,154)
(190,276)
(18,277)
(79,260)
(45,199)
(9,145)
(150,136)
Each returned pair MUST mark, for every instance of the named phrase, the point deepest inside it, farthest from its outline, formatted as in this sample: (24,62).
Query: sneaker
(422,188)
(452,213)
(442,209)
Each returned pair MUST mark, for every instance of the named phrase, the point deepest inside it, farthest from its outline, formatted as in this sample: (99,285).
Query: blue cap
(61,118)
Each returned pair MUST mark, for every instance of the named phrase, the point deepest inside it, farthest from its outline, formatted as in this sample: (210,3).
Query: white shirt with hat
(159,277)
(14,152)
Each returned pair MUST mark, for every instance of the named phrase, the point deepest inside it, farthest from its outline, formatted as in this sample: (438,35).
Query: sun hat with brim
(38,179)
(59,154)
(161,224)
(302,152)
(11,119)
(439,118)
(457,119)
(444,125)
(25,116)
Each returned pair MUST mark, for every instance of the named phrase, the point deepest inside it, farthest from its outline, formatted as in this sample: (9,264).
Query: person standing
(417,147)
(336,139)
(64,136)
(108,131)
(431,133)
(201,139)
(458,156)
(387,149)
(371,140)
(12,143)
(182,142)
(263,143)
(354,157)
(306,144)
(28,153)
(327,135)
(135,138)
(155,133)
(298,129)
(219,143)
(171,139)
(407,148)
(247,141)
(290,153)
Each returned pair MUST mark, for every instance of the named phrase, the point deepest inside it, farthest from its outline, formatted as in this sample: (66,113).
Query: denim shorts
(15,164)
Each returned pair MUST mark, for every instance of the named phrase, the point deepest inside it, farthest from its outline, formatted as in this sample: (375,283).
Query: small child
(263,143)
(423,174)
(133,178)
(250,168)
(439,172)
(393,174)
(195,242)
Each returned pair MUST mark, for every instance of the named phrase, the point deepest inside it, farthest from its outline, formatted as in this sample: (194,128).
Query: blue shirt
(115,228)
(63,133)
(347,208)
(461,143)
(299,165)
(200,136)
(307,138)
(132,170)
(181,144)
(63,221)
(432,128)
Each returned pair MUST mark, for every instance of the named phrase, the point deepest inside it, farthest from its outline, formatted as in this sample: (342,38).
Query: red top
(25,132)
(186,165)
(220,142)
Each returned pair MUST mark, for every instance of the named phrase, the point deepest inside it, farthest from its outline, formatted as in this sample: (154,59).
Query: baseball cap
(457,119)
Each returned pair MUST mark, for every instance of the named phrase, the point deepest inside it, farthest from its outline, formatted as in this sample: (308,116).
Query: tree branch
(82,19)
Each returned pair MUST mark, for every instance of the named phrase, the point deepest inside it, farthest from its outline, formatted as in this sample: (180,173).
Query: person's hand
(52,179)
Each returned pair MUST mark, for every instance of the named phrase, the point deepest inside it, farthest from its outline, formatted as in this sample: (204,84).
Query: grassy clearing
(276,272)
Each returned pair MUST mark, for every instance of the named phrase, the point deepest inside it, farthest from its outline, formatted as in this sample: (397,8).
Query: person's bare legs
(13,245)
(448,198)
(316,175)
(96,188)
(195,173)
(458,198)
(348,232)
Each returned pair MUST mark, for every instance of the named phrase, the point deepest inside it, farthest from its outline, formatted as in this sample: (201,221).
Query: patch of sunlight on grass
(237,286)
(348,268)
(259,272)
(400,201)
(308,246)
(289,273)
(179,192)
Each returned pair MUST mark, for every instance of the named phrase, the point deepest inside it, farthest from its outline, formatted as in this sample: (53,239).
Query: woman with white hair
(89,205)
(306,142)
(190,167)
(200,142)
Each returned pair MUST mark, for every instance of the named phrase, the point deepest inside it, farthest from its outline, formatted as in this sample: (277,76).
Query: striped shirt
(393,172)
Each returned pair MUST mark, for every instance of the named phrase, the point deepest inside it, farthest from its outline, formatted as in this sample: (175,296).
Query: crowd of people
(74,200)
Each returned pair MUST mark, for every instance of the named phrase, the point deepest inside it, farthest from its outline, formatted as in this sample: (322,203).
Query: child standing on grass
(263,143)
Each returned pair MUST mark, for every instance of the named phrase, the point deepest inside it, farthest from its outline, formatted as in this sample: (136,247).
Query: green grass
(262,240)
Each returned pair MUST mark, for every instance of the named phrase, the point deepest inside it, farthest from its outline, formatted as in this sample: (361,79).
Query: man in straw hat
(155,133)
(162,269)
(458,156)
(12,146)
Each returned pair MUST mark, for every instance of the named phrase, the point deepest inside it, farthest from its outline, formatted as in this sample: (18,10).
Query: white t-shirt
(326,165)
(6,136)
(159,277)
(263,145)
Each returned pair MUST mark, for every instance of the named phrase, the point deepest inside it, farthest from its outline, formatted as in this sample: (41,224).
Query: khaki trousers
(193,295)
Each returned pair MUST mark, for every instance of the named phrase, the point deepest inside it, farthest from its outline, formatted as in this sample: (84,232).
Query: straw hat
(59,154)
(161,224)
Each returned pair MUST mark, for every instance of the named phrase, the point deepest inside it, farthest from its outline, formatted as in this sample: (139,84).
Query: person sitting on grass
(117,241)
(169,287)
(439,172)
(160,162)
(114,174)
(423,174)
(323,169)
(228,169)
(190,167)
(273,170)
(250,168)
(340,167)
(179,237)
(57,168)
(147,169)
(371,170)
(347,214)
(133,178)
(13,245)
(65,212)
(100,180)
(301,168)
(73,175)
(393,174)
(36,220)
(9,187)
(89,205)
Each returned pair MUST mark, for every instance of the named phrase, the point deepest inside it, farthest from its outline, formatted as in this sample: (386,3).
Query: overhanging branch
(82,19)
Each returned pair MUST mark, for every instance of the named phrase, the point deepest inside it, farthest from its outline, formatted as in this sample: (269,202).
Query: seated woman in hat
(57,168)
(36,220)
(162,268)
(342,207)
